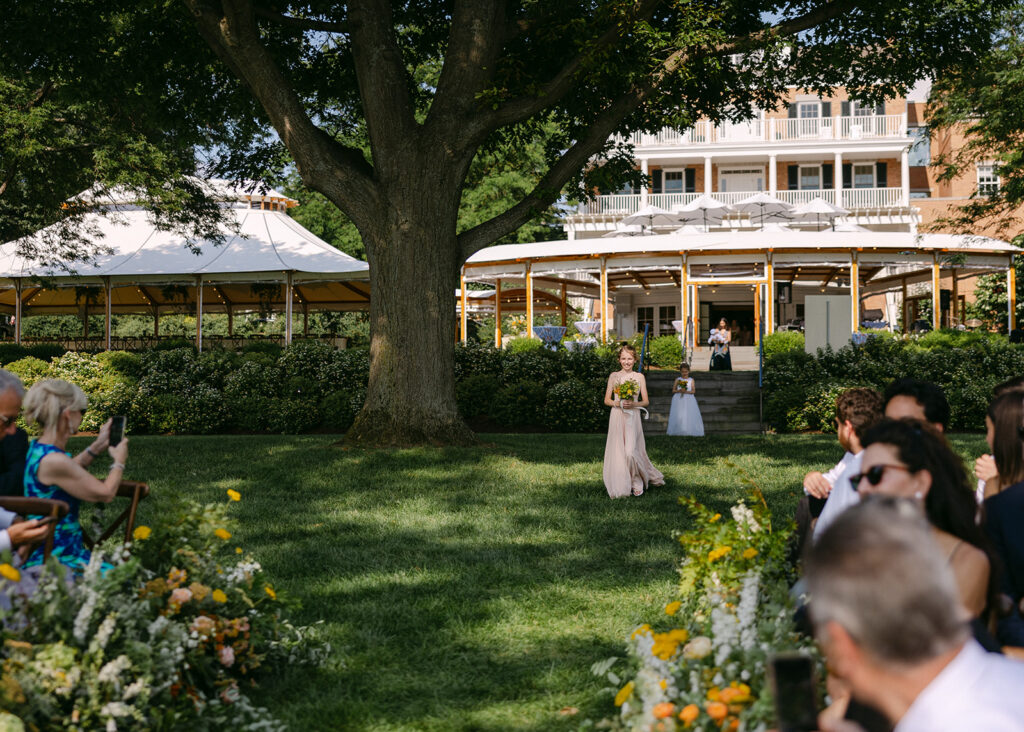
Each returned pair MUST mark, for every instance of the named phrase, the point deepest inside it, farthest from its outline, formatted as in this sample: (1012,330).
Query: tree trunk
(414,266)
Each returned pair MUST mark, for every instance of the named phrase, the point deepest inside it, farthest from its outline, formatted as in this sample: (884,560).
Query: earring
(919,495)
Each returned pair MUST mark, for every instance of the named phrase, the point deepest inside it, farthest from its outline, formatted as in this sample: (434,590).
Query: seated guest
(906,459)
(1004,510)
(920,400)
(985,466)
(885,612)
(16,533)
(13,440)
(857,410)
(50,472)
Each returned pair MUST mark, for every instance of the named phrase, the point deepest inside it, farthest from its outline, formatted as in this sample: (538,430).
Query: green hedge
(310,386)
(800,389)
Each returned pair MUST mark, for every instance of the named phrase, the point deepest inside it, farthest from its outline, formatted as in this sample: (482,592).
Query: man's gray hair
(10,381)
(878,573)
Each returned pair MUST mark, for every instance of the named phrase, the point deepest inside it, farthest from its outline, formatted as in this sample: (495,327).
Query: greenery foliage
(665,351)
(785,340)
(800,389)
(175,634)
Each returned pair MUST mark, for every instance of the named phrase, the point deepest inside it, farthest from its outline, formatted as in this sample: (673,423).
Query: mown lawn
(463,589)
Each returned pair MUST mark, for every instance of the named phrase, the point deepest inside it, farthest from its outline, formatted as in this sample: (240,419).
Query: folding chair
(132,490)
(37,507)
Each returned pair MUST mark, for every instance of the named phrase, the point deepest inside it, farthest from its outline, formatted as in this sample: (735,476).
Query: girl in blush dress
(627,469)
(684,416)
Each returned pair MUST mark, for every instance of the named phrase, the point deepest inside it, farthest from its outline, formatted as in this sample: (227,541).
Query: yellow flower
(665,646)
(716,554)
(141,532)
(716,517)
(663,684)
(679,634)
(624,693)
(238,550)
(234,495)
(750,553)
(10,573)
(673,607)
(223,534)
(219,596)
(645,628)
(270,592)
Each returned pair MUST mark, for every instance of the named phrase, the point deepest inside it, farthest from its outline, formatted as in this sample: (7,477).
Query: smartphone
(792,679)
(46,520)
(117,428)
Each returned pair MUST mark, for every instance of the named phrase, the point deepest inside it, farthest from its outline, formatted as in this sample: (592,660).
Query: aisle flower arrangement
(174,633)
(702,665)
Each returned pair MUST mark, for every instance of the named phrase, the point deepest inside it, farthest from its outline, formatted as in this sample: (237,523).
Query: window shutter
(792,111)
(844,109)
(881,175)
(880,109)
(826,109)
(827,176)
(656,186)
(690,181)
(794,177)
(847,175)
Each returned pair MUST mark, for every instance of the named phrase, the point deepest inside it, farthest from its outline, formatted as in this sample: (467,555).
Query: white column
(707,174)
(288,309)
(773,175)
(643,189)
(199,314)
(904,177)
(107,312)
(837,178)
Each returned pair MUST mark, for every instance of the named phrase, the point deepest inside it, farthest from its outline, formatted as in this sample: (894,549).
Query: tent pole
(497,313)
(936,289)
(305,320)
(562,307)
(288,310)
(156,322)
(462,307)
(199,313)
(17,311)
(106,320)
(604,301)
(231,322)
(529,300)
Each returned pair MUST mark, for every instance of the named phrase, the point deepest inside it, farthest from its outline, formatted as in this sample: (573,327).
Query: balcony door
(746,180)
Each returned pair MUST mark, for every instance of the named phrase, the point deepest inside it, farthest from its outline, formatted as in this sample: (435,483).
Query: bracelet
(93,455)
(117,465)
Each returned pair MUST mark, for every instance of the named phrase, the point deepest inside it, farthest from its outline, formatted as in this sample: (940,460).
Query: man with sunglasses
(13,440)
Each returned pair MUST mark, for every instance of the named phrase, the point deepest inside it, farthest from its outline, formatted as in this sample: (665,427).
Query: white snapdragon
(746,612)
(103,633)
(112,670)
(83,619)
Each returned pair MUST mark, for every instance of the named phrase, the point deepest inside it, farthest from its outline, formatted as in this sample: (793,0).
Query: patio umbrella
(650,216)
(704,208)
(764,205)
(817,208)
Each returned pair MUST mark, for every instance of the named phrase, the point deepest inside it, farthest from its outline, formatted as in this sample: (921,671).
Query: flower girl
(684,417)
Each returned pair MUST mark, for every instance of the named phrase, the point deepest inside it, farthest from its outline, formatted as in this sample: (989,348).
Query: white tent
(266,259)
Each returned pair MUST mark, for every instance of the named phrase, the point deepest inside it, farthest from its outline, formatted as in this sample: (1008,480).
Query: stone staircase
(729,401)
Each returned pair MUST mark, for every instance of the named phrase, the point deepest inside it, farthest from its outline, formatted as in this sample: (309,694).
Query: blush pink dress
(627,469)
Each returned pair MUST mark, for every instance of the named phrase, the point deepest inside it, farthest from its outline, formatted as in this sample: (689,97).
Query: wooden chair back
(24,506)
(135,492)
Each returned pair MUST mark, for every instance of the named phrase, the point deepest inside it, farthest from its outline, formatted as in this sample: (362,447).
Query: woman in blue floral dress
(50,471)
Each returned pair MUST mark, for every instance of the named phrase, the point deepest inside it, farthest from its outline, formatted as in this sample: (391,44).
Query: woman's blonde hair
(48,398)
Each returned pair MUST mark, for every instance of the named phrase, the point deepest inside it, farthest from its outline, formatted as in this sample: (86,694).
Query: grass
(463,589)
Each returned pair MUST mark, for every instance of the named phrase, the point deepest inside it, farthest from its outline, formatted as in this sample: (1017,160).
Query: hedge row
(800,389)
(311,385)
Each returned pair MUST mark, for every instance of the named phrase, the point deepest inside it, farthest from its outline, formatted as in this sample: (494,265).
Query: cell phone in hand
(46,520)
(792,680)
(117,428)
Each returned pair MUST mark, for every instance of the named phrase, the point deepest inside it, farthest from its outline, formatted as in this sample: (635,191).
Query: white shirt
(843,495)
(833,475)
(976,691)
(6,519)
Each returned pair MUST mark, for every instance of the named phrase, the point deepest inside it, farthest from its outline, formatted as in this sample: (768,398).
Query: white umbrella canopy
(818,208)
(706,209)
(764,205)
(628,231)
(650,216)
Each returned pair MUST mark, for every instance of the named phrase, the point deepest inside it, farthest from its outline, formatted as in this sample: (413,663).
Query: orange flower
(689,714)
(750,553)
(665,709)
(716,710)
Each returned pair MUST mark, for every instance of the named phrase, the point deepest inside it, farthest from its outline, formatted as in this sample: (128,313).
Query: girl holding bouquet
(684,416)
(627,469)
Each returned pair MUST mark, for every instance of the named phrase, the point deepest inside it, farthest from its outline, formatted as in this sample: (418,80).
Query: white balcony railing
(852,199)
(779,130)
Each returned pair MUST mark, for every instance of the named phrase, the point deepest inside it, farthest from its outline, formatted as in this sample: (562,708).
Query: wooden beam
(1011,297)
(639,278)
(497,313)
(604,301)
(356,290)
(463,316)
(936,288)
(855,292)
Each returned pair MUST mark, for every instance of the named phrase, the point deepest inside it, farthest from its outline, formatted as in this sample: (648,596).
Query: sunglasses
(6,421)
(874,474)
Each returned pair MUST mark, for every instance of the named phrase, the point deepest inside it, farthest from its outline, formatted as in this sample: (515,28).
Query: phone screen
(117,429)
(795,698)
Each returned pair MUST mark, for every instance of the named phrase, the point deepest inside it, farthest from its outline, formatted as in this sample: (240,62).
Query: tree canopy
(385,106)
(984,99)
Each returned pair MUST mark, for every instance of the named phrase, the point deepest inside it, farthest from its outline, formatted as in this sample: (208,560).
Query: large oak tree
(341,86)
